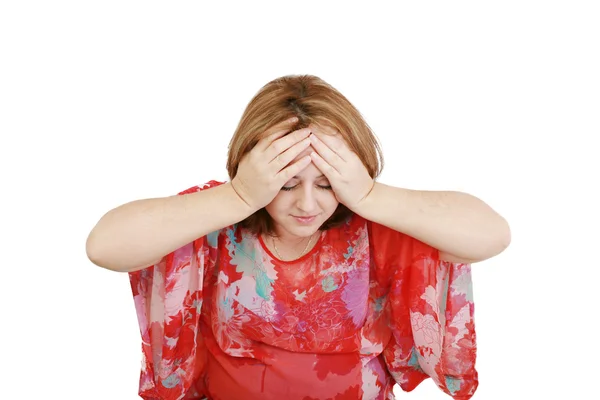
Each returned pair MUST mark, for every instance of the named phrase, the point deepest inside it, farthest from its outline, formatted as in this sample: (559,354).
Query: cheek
(278,204)
(329,201)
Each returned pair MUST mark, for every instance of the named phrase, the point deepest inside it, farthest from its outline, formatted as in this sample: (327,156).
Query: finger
(282,144)
(292,170)
(326,153)
(283,159)
(330,172)
(337,145)
(275,132)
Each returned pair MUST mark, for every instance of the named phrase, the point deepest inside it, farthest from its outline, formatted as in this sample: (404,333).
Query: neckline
(308,254)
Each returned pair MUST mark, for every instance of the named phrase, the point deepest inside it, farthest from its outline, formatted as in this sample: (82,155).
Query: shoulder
(390,240)
(203,186)
(356,225)
(390,244)
(347,232)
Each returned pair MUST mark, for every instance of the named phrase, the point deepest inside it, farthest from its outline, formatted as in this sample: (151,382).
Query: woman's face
(304,203)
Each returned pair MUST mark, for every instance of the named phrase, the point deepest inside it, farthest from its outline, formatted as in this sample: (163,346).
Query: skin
(308,193)
(462,227)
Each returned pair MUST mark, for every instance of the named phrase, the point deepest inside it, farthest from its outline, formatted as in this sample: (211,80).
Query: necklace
(301,254)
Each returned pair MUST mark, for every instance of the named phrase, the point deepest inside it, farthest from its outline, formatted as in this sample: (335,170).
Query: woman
(301,277)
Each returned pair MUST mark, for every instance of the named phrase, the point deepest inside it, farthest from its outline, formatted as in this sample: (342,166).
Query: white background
(106,102)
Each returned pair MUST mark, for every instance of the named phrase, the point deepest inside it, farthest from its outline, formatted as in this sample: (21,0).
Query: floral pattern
(367,308)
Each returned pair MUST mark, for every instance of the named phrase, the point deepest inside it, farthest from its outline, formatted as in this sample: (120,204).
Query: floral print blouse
(367,308)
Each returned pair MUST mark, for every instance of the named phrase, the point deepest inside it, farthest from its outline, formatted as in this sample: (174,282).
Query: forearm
(453,222)
(137,234)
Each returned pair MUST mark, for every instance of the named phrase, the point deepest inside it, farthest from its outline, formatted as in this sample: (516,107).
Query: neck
(292,248)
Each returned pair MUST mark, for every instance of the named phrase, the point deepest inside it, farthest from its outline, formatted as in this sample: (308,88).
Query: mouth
(305,220)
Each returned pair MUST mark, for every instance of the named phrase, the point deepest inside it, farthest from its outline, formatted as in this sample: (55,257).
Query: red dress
(366,308)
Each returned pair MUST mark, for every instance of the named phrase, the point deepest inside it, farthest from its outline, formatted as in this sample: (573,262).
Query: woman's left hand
(346,173)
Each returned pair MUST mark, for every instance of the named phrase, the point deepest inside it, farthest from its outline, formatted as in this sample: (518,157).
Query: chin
(302,230)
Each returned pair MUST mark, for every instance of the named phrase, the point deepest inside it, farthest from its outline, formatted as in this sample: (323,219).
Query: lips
(305,219)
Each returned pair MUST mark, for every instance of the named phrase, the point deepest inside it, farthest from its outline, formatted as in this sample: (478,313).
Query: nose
(307,201)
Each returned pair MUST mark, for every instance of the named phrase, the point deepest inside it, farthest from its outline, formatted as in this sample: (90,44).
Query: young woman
(302,277)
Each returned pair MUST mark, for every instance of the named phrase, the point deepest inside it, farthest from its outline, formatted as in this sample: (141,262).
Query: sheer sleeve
(168,302)
(432,315)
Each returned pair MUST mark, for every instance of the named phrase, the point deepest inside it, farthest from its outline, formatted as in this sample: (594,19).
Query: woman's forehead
(311,172)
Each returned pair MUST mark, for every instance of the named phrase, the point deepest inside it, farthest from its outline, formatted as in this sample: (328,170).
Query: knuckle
(300,134)
(289,173)
(279,160)
(278,147)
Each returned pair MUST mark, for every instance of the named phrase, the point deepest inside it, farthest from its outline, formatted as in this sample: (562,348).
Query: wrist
(368,201)
(238,200)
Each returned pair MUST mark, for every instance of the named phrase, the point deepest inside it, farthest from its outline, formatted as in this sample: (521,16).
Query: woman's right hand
(264,170)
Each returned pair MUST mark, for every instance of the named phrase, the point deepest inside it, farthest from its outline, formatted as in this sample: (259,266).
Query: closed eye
(288,188)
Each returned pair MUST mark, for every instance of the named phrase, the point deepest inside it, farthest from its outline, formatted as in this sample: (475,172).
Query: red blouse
(366,308)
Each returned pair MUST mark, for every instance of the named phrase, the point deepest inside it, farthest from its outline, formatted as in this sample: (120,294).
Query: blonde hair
(313,101)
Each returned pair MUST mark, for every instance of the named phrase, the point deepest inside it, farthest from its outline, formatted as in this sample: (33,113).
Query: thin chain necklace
(301,254)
